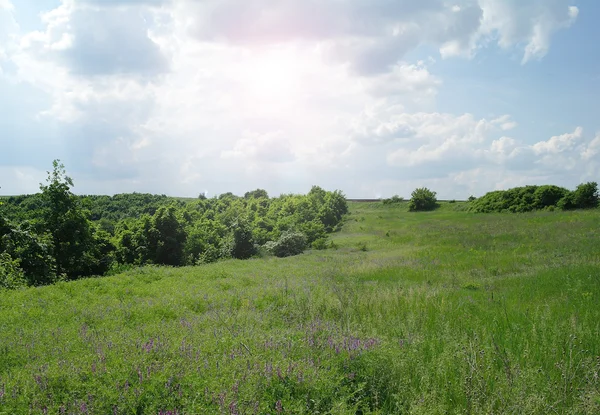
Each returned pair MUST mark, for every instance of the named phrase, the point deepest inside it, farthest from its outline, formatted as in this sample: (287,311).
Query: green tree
(67,222)
(257,194)
(33,251)
(11,275)
(242,245)
(586,195)
(422,199)
(170,237)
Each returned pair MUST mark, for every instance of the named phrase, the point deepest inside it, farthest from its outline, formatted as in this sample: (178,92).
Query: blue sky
(371,97)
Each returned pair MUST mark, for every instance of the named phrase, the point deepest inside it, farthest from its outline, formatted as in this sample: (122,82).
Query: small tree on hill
(586,195)
(422,199)
(67,222)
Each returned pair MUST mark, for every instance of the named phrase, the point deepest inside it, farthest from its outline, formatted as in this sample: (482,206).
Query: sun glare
(271,76)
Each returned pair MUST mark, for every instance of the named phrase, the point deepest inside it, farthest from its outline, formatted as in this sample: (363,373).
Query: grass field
(423,313)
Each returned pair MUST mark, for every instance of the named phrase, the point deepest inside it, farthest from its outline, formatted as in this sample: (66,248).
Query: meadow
(443,312)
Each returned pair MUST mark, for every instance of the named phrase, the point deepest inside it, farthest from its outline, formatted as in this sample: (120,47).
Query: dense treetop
(57,235)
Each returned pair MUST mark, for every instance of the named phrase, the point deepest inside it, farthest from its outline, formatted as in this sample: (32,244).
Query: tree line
(531,198)
(56,235)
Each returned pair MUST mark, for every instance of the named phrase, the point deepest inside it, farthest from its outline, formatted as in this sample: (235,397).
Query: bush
(289,244)
(546,196)
(530,198)
(393,200)
(320,244)
(586,195)
(422,199)
(11,275)
(243,244)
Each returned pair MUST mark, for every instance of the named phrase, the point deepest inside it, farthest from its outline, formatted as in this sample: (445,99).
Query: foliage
(393,200)
(11,275)
(320,244)
(288,244)
(586,195)
(34,252)
(530,198)
(59,234)
(169,238)
(257,194)
(67,222)
(422,199)
(242,246)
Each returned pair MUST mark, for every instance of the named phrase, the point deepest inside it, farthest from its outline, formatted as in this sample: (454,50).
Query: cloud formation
(181,96)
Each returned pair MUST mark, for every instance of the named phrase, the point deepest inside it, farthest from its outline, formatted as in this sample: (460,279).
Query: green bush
(422,199)
(320,244)
(546,196)
(586,195)
(11,275)
(393,200)
(58,233)
(530,198)
(289,244)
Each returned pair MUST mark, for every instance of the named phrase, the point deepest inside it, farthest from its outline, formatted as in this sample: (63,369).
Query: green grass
(421,313)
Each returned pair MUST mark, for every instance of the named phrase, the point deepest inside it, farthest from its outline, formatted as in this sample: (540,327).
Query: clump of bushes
(393,200)
(290,243)
(530,198)
(422,199)
(58,235)
(11,275)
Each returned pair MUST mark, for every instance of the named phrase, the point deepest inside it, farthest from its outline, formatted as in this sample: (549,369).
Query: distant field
(444,312)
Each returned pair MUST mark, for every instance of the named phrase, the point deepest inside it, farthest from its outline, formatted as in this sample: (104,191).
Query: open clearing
(421,313)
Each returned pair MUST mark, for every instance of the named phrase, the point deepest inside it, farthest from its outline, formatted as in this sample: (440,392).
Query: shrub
(11,275)
(546,196)
(393,200)
(289,244)
(529,198)
(243,244)
(586,195)
(567,202)
(422,199)
(320,244)
(472,198)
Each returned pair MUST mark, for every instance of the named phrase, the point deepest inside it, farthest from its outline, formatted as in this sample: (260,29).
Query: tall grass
(426,313)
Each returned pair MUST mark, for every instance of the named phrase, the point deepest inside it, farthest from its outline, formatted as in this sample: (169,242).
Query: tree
(33,251)
(549,195)
(171,237)
(243,243)
(422,199)
(257,194)
(11,275)
(67,222)
(586,195)
(333,209)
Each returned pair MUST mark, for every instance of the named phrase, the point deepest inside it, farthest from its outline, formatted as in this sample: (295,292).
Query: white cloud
(592,150)
(260,149)
(559,144)
(163,96)
(8,31)
(531,23)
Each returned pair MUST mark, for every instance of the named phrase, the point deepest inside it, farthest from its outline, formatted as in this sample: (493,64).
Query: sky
(371,97)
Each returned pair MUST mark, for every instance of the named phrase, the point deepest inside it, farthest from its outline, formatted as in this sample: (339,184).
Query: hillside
(422,313)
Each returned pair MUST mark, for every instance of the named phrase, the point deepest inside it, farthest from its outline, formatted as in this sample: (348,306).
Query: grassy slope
(445,312)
